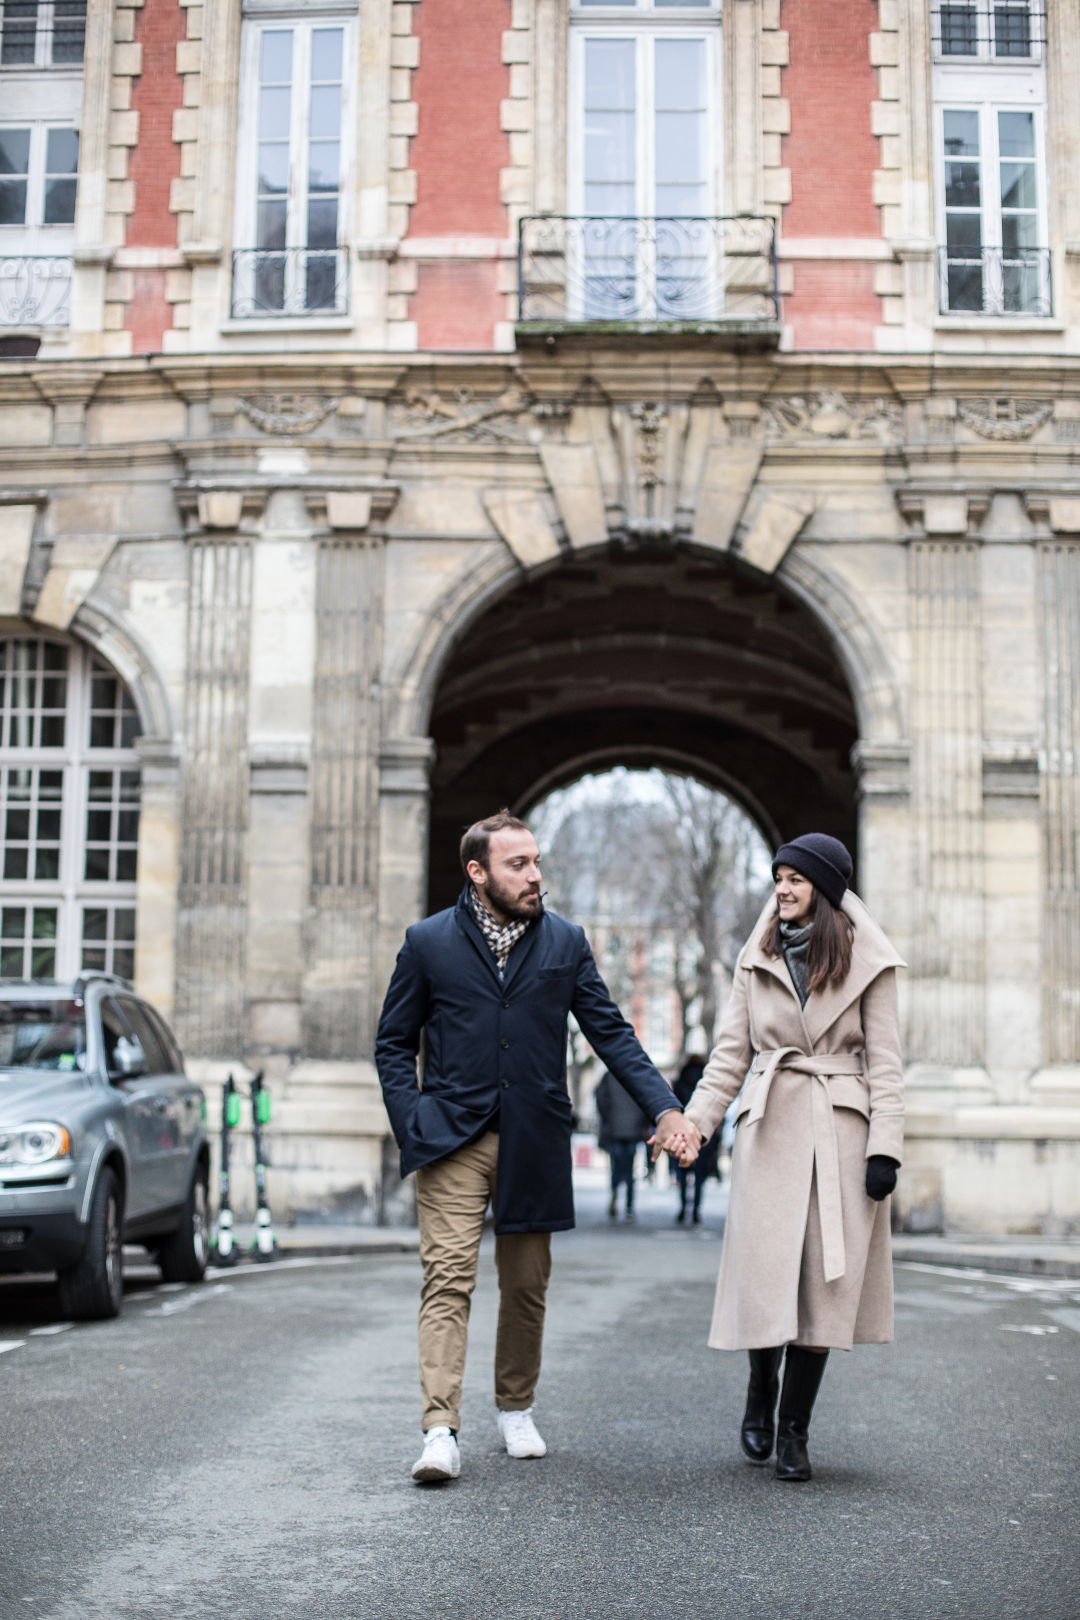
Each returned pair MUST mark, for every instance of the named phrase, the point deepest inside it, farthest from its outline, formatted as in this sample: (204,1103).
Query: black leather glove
(880,1177)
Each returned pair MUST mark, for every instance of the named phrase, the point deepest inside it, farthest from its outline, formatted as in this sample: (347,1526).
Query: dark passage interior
(637,660)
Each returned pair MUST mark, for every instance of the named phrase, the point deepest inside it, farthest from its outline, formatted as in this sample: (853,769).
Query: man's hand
(676,1135)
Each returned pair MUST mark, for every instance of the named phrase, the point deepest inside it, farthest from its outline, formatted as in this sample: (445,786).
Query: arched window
(69,812)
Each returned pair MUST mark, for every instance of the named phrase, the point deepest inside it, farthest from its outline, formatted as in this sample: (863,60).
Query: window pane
(1018,185)
(59,202)
(112,826)
(14,151)
(680,73)
(274,166)
(326,54)
(275,104)
(324,167)
(325,119)
(961,134)
(961,185)
(959,31)
(322,223)
(19,33)
(609,73)
(1012,31)
(114,719)
(271,224)
(62,152)
(12,202)
(275,56)
(32,824)
(1016,134)
(69,30)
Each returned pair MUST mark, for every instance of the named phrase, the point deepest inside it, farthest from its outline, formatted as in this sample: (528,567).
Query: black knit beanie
(822,859)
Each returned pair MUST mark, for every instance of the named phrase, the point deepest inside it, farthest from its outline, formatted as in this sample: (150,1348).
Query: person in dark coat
(489,984)
(707,1162)
(622,1127)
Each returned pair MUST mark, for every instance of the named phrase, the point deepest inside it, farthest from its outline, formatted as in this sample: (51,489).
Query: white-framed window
(990,172)
(69,812)
(644,154)
(294,176)
(42,33)
(39,166)
(989,30)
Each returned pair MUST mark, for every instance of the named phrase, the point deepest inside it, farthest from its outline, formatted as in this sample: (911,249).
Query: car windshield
(42,1035)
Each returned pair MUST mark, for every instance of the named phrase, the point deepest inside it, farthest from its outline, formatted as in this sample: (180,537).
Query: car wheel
(182,1256)
(94,1287)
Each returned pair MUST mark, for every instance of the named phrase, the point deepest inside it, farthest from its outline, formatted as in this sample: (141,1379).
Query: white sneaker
(519,1432)
(441,1459)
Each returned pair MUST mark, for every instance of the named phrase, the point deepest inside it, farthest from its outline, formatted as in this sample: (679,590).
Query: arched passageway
(638,660)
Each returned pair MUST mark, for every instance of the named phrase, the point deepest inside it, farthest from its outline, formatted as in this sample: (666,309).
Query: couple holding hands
(809,1042)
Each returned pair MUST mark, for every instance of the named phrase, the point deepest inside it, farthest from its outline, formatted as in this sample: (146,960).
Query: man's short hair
(477,841)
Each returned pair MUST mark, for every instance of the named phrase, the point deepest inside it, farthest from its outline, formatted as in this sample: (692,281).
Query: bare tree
(635,854)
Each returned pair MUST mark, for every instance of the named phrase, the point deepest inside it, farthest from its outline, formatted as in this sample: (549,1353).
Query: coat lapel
(520,952)
(871,954)
(471,929)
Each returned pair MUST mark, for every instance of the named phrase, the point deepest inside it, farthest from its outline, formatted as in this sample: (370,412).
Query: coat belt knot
(826,1153)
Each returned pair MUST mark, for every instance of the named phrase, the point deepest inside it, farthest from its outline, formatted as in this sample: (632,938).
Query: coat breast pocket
(558,970)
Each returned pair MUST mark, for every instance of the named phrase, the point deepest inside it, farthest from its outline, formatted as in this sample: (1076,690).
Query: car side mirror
(129,1059)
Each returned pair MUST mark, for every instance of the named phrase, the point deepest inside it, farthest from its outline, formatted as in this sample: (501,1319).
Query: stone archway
(643,659)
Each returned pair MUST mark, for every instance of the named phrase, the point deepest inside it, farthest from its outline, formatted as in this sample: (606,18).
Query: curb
(1025,1260)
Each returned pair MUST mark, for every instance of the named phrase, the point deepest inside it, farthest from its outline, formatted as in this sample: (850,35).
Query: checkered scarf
(501,941)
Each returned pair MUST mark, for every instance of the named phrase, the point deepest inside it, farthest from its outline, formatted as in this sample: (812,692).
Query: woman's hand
(880,1177)
(675,1134)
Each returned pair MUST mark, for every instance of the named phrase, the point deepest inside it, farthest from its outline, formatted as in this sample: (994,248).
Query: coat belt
(826,1152)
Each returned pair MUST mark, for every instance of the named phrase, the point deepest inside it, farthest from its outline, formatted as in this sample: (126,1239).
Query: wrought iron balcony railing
(35,291)
(290,281)
(595,269)
(994,281)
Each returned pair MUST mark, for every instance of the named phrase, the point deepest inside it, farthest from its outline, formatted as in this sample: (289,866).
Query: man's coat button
(506,1004)
(506,1085)
(506,1046)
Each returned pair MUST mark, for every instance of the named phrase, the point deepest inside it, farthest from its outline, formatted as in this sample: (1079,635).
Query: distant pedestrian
(707,1164)
(488,984)
(819,1140)
(622,1127)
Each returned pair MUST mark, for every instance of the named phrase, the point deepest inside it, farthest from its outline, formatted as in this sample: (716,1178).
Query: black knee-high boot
(803,1372)
(758,1424)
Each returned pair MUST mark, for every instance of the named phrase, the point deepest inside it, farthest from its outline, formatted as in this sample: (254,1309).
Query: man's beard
(512,903)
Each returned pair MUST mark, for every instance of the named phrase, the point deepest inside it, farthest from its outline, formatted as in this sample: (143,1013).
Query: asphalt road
(242,1450)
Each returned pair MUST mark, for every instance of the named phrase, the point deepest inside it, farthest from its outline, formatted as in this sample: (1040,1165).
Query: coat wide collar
(472,931)
(871,954)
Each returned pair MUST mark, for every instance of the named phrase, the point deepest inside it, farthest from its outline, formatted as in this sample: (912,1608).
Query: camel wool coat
(807,1257)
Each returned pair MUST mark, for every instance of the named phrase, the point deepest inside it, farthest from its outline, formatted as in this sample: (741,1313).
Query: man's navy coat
(492,1044)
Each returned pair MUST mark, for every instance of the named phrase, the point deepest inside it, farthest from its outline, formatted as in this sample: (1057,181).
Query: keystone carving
(1004,419)
(286,413)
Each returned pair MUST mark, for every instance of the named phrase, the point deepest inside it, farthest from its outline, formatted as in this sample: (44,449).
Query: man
(622,1127)
(489,984)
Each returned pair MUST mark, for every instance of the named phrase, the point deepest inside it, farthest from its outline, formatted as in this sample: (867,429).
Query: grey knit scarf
(795,943)
(501,941)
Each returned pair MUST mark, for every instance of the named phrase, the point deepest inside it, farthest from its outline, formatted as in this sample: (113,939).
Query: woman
(806,1261)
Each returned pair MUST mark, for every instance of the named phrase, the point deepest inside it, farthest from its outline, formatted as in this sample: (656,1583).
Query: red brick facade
(457,153)
(154,164)
(831,154)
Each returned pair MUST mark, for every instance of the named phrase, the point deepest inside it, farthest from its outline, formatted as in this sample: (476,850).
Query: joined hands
(676,1135)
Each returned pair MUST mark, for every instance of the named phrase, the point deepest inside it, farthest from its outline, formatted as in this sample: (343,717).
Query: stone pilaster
(946,960)
(340,931)
(212,909)
(1059,639)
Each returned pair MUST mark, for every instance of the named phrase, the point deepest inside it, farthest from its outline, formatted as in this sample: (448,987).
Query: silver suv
(102,1141)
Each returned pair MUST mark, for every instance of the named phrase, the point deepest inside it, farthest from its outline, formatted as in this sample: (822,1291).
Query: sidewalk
(1034,1257)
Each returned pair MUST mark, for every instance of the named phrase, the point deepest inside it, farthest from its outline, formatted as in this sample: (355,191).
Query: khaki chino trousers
(452,1197)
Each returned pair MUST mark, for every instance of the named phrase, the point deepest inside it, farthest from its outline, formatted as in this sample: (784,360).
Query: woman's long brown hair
(828,961)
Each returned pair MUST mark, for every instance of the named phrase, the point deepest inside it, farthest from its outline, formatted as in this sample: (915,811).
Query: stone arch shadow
(758,685)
